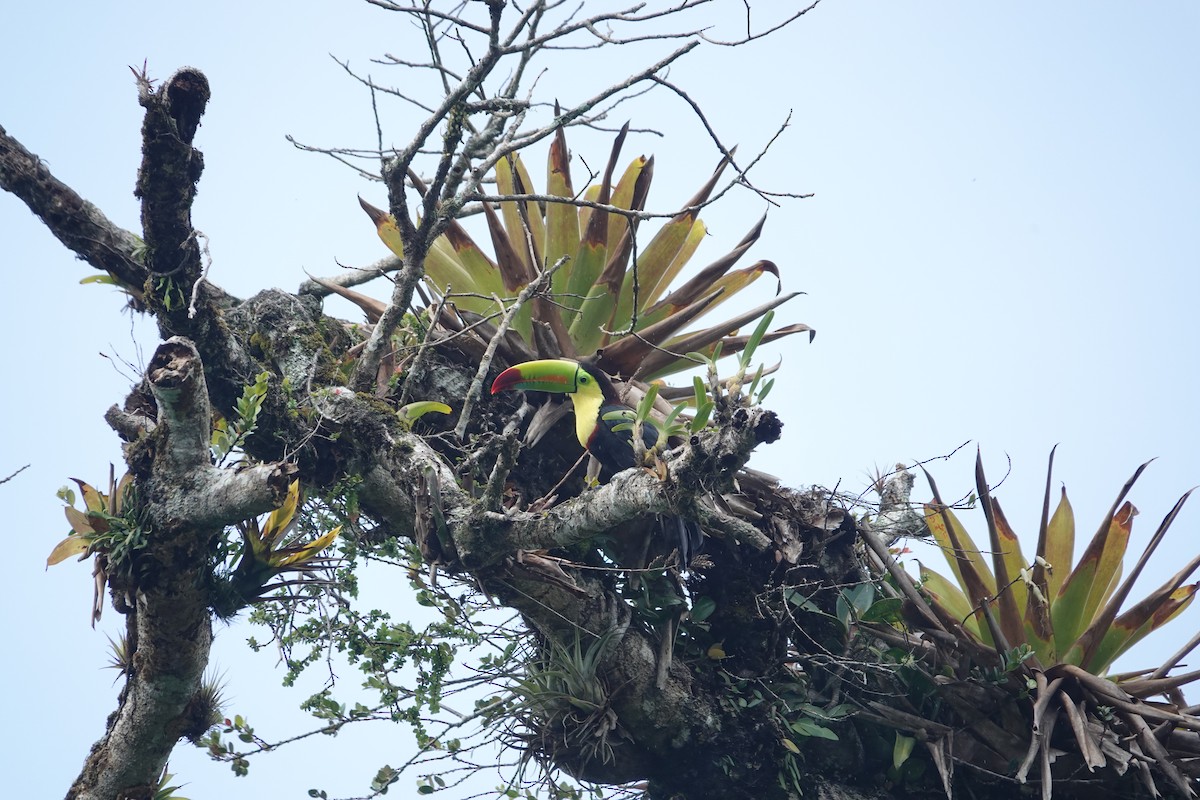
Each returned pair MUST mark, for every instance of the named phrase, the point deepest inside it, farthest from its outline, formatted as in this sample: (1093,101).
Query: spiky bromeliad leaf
(950,598)
(593,249)
(562,219)
(443,268)
(674,244)
(1007,562)
(598,310)
(523,220)
(710,278)
(1084,625)
(1087,584)
(1096,647)
(966,561)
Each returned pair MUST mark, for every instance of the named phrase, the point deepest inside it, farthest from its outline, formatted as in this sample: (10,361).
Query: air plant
(271,549)
(1065,614)
(608,289)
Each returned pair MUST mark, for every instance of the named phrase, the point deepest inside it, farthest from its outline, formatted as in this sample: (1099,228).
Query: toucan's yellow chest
(587,413)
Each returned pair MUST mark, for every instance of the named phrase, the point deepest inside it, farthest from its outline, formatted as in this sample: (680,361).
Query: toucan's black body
(593,396)
(613,448)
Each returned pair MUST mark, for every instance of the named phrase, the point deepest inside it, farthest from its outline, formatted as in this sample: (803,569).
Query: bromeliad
(603,433)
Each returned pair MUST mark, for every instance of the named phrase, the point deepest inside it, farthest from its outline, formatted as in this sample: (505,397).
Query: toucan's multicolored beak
(549,375)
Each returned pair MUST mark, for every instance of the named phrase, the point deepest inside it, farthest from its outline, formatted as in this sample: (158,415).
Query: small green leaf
(807,727)
(885,611)
(414,411)
(106,279)
(842,609)
(756,338)
(902,749)
(702,608)
(860,597)
(669,426)
(643,409)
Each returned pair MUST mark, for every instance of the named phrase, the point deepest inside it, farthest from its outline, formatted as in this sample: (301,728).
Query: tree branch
(75,222)
(183,504)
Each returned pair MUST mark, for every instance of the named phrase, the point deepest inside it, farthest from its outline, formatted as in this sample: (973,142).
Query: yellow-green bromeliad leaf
(1082,592)
(1131,627)
(1060,544)
(445,269)
(562,219)
(954,602)
(1009,553)
(518,215)
(594,248)
(965,557)
(300,554)
(414,411)
(281,518)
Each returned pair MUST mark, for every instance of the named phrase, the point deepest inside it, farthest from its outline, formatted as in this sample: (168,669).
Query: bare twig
(535,286)
(422,350)
(14,474)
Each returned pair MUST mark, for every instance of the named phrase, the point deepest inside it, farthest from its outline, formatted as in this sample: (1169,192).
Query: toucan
(594,398)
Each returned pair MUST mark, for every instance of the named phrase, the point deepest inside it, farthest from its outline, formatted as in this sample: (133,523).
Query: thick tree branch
(169,173)
(75,222)
(393,473)
(182,504)
(182,300)
(176,380)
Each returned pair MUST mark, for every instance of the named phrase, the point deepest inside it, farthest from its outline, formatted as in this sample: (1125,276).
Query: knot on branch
(187,96)
(189,489)
(713,458)
(173,368)
(768,428)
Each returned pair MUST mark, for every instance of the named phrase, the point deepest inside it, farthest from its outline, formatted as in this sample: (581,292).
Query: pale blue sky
(1002,247)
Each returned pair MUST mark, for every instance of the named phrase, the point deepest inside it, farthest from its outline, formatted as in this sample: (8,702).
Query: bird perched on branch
(605,435)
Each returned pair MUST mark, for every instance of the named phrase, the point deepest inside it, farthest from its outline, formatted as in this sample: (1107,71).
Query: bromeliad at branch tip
(605,435)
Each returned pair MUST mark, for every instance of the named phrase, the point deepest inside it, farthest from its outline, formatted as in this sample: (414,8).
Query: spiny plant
(163,791)
(104,528)
(271,548)
(99,526)
(563,689)
(605,289)
(1065,614)
(1039,639)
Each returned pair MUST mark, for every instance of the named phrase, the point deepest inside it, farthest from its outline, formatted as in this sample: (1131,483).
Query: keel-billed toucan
(594,397)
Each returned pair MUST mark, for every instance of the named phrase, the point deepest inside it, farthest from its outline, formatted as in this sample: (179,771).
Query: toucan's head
(550,375)
(588,389)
